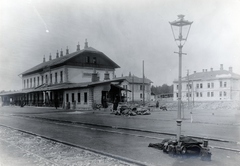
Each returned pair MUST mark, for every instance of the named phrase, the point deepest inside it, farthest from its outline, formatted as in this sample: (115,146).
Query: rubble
(185,147)
(131,109)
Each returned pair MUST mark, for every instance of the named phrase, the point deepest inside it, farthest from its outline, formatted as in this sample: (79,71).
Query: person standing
(115,103)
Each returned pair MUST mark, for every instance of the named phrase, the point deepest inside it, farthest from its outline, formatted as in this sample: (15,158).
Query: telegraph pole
(188,87)
(133,88)
(143,86)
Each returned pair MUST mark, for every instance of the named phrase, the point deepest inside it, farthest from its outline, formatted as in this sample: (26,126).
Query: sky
(128,32)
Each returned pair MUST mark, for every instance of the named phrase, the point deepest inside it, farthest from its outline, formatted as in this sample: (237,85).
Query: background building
(135,85)
(213,85)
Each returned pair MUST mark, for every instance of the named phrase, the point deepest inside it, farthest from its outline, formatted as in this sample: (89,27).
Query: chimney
(230,69)
(61,53)
(211,69)
(221,66)
(44,60)
(78,47)
(50,57)
(195,72)
(67,51)
(130,74)
(57,55)
(86,44)
(106,76)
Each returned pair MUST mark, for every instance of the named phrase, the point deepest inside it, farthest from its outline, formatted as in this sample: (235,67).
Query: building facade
(78,80)
(213,85)
(139,89)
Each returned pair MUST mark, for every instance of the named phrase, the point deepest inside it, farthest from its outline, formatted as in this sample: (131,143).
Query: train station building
(78,80)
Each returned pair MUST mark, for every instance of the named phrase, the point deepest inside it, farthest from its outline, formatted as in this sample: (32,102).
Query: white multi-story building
(213,85)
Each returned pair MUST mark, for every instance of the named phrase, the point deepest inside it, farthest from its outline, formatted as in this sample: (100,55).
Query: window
(208,94)
(37,81)
(197,85)
(220,94)
(79,97)
(67,97)
(50,78)
(190,95)
(212,94)
(220,83)
(177,86)
(94,60)
(85,97)
(141,95)
(30,82)
(87,59)
(189,86)
(225,84)
(61,76)
(55,77)
(46,81)
(200,94)
(177,94)
(34,82)
(212,84)
(197,94)
(225,93)
(208,85)
(141,87)
(201,85)
(72,97)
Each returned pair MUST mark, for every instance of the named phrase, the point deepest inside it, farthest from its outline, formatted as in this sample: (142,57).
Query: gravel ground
(21,149)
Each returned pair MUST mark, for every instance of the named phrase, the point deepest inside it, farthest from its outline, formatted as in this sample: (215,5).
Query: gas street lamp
(181,29)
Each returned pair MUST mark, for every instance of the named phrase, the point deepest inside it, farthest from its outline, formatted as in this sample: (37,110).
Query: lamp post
(182,27)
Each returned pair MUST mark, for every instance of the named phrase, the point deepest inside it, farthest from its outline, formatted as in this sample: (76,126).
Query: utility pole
(133,88)
(188,87)
(193,92)
(143,86)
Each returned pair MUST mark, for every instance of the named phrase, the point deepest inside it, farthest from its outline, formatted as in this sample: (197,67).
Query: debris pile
(132,110)
(185,147)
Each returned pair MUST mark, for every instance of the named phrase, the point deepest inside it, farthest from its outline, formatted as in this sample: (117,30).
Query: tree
(162,89)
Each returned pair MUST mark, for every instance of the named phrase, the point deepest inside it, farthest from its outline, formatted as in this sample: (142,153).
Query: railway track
(46,158)
(112,130)
(127,131)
